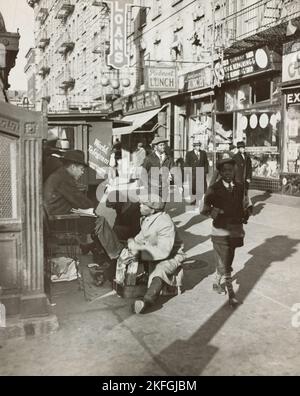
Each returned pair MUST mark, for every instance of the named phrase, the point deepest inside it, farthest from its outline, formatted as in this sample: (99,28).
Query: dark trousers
(106,240)
(224,252)
(154,290)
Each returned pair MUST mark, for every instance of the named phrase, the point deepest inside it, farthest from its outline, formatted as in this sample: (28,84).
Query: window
(157,9)
(142,14)
(261,90)
(2,56)
(175,2)
(8,175)
(292,130)
(84,61)
(141,69)
(130,22)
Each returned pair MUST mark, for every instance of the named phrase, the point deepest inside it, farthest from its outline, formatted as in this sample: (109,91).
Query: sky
(18,15)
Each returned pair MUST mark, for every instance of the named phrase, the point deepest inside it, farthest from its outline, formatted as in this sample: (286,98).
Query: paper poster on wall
(293,127)
(293,151)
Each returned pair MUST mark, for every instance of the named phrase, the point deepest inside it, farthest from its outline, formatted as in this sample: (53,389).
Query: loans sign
(118,56)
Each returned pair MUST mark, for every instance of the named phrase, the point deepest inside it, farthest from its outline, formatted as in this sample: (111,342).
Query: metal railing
(64,43)
(260,16)
(64,8)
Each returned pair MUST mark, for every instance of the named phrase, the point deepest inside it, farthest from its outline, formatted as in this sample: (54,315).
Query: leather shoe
(219,288)
(139,306)
(87,248)
(233,302)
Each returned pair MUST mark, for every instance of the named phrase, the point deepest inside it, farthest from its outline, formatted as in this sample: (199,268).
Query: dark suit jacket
(217,196)
(152,161)
(61,194)
(192,161)
(243,168)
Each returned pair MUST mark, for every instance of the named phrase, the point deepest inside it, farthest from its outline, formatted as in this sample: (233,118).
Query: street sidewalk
(195,333)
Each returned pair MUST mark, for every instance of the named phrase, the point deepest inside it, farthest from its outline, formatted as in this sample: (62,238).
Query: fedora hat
(153,201)
(158,140)
(226,159)
(196,140)
(74,157)
(241,144)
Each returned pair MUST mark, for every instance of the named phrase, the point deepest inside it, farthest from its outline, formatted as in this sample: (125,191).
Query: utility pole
(213,118)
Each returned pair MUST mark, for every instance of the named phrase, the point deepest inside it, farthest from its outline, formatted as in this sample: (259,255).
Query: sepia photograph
(149,190)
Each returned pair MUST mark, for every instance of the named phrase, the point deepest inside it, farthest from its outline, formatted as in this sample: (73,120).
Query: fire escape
(43,41)
(65,43)
(269,23)
(64,9)
(32,3)
(101,46)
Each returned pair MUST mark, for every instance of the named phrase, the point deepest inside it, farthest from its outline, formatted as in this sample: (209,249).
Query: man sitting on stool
(158,244)
(62,194)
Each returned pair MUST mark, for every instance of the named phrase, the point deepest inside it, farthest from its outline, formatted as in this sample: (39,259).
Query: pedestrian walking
(224,203)
(243,166)
(158,166)
(196,159)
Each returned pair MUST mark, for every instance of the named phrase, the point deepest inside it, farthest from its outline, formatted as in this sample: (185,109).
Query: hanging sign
(161,79)
(291,62)
(140,102)
(118,56)
(251,62)
(196,80)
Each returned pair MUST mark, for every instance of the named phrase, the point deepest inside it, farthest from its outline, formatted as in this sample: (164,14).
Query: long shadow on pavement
(191,357)
(258,202)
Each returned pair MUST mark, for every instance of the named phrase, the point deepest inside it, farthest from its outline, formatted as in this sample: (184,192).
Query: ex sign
(118,56)
(293,97)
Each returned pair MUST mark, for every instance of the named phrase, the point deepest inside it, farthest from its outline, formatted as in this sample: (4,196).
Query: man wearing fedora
(196,159)
(158,244)
(223,202)
(243,166)
(62,194)
(158,165)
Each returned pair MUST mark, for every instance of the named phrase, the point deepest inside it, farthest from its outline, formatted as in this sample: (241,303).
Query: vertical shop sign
(118,56)
(100,148)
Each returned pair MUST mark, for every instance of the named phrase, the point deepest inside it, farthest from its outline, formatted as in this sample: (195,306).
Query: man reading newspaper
(62,195)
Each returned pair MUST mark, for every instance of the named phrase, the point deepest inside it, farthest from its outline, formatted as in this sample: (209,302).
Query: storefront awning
(138,120)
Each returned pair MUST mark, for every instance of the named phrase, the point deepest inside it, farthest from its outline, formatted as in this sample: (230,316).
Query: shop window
(8,174)
(262,131)
(261,90)
(223,131)
(292,129)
